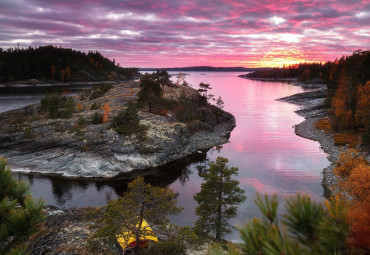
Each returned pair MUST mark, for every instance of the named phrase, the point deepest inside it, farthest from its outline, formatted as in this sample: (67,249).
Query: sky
(171,33)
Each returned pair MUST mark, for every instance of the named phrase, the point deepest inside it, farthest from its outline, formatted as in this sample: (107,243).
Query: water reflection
(270,157)
(67,192)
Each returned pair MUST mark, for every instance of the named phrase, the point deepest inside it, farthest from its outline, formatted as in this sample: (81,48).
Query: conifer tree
(220,103)
(203,89)
(308,227)
(217,199)
(126,214)
(150,90)
(19,213)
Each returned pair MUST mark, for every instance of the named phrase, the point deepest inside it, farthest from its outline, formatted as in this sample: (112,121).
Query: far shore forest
(339,225)
(348,93)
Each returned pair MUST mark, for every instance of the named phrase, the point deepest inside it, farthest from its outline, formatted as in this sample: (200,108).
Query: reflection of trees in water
(159,176)
(30,179)
(63,189)
(185,175)
(202,166)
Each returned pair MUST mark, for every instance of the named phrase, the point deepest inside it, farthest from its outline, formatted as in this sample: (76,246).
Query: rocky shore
(67,231)
(33,143)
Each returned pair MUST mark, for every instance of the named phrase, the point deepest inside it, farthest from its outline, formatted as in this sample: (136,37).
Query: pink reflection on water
(258,185)
(270,157)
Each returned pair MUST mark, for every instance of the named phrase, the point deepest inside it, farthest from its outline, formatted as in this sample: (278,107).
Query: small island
(112,129)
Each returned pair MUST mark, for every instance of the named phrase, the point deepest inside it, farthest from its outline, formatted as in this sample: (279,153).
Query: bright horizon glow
(167,33)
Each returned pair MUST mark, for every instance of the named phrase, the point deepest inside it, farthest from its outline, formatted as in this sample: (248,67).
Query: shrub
(58,106)
(127,122)
(100,90)
(183,110)
(81,121)
(95,106)
(168,247)
(28,133)
(342,139)
(97,118)
(324,124)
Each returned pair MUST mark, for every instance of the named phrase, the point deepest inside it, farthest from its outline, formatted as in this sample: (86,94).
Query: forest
(50,63)
(348,93)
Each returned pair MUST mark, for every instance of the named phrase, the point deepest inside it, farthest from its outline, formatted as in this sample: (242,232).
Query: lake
(270,157)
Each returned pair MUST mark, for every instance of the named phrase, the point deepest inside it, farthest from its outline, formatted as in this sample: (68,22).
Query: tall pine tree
(217,199)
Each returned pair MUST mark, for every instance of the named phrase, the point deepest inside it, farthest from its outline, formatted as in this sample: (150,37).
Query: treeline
(348,82)
(207,69)
(49,63)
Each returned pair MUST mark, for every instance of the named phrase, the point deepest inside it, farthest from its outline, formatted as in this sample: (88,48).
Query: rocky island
(80,145)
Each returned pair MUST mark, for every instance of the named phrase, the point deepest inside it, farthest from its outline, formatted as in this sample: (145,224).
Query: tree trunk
(136,252)
(219,210)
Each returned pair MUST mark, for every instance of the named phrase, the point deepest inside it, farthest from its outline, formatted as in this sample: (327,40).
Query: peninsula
(84,137)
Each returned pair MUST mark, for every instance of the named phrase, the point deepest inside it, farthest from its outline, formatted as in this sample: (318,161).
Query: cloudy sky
(170,33)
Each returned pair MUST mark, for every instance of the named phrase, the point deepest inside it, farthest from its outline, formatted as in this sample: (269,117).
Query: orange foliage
(342,139)
(324,124)
(68,72)
(363,106)
(160,112)
(353,188)
(79,106)
(359,232)
(107,110)
(348,160)
(62,74)
(341,103)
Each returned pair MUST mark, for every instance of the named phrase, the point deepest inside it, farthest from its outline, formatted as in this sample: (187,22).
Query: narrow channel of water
(270,157)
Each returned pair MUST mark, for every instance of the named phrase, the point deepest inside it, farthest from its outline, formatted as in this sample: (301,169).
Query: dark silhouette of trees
(49,63)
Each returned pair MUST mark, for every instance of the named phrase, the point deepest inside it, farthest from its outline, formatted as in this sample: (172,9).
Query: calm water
(270,157)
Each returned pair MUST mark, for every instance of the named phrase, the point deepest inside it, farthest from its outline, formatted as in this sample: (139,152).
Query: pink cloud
(175,33)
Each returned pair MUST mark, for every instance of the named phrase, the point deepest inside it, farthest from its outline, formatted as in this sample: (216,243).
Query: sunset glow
(168,33)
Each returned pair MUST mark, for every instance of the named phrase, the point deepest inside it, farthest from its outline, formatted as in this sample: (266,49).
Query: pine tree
(150,90)
(217,199)
(203,89)
(126,214)
(220,103)
(308,227)
(19,213)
